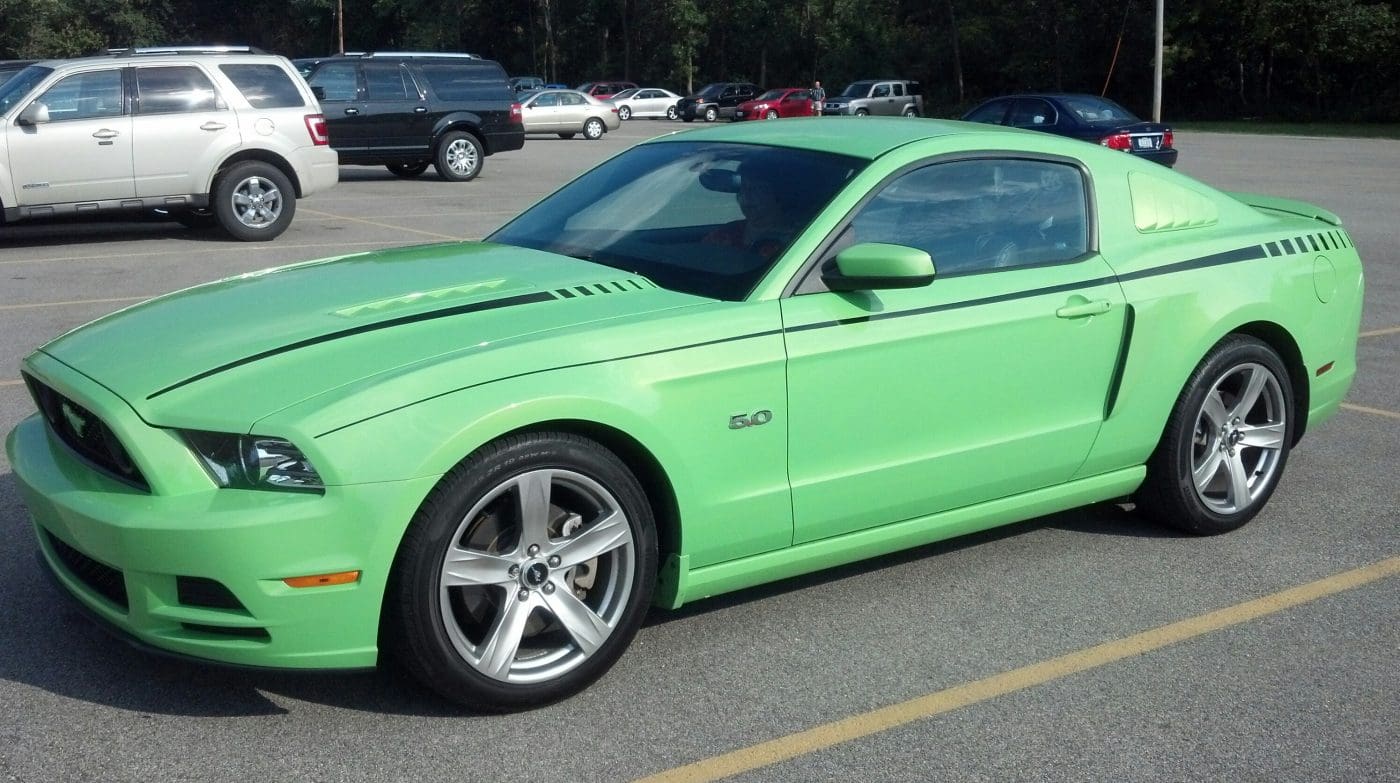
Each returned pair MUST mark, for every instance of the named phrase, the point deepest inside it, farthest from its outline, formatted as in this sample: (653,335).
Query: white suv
(230,138)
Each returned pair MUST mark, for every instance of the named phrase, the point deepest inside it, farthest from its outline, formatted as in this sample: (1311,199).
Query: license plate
(1147,142)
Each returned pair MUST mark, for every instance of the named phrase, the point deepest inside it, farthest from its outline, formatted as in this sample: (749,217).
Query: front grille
(85,433)
(104,580)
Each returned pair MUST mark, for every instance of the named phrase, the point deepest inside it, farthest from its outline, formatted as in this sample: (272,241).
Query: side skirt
(678,584)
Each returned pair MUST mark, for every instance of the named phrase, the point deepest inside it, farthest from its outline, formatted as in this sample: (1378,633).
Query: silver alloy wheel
(257,203)
(624,113)
(1238,441)
(461,157)
(711,114)
(537,576)
(772,115)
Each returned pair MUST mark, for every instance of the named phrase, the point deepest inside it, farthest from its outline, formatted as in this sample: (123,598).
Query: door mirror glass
(34,114)
(877,265)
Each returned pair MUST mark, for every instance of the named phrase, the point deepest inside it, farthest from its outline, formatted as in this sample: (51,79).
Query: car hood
(233,351)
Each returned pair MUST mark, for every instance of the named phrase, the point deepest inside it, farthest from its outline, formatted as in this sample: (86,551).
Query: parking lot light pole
(1157,66)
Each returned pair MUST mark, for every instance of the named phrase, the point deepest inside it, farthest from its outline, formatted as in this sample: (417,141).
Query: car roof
(142,59)
(863,137)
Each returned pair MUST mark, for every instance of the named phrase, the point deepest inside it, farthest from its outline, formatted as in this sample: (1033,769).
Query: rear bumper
(1165,157)
(505,140)
(319,169)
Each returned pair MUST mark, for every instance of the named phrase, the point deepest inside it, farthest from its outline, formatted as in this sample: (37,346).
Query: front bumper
(694,111)
(146,564)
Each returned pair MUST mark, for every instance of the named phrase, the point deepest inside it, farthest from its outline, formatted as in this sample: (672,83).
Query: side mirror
(872,266)
(33,114)
(318,92)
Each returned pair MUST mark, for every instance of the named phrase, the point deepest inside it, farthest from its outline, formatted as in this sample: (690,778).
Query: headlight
(253,461)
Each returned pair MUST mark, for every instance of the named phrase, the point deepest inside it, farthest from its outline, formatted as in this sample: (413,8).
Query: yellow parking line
(33,305)
(1381,332)
(185,252)
(16,382)
(865,724)
(1372,411)
(383,225)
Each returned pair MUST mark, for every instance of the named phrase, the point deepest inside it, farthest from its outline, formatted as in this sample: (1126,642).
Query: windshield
(627,93)
(702,218)
(1098,111)
(857,89)
(711,90)
(19,85)
(772,95)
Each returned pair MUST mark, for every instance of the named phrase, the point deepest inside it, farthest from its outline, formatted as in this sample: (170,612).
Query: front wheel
(525,573)
(711,114)
(862,113)
(407,170)
(459,157)
(772,114)
(1226,443)
(254,201)
(594,129)
(624,112)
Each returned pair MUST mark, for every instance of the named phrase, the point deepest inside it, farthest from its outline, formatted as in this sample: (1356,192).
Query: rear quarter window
(466,81)
(264,86)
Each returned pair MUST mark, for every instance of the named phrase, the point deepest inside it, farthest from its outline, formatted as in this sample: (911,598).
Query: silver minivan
(232,139)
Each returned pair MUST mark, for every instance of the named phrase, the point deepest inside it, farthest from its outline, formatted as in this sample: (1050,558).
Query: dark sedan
(1085,117)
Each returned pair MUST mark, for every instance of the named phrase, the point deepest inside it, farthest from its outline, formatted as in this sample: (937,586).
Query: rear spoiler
(1288,206)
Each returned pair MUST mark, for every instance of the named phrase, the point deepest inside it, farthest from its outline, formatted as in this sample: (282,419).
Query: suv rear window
(264,86)
(466,81)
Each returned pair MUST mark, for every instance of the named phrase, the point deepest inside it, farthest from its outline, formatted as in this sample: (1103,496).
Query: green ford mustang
(720,358)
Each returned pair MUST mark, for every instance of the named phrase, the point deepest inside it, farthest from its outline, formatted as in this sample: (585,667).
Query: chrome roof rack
(461,55)
(134,51)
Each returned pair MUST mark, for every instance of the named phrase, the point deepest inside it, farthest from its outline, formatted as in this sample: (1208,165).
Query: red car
(778,102)
(604,90)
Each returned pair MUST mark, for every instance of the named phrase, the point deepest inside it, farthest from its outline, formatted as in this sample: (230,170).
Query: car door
(882,100)
(990,381)
(541,113)
(650,103)
(573,110)
(395,119)
(337,87)
(82,151)
(181,128)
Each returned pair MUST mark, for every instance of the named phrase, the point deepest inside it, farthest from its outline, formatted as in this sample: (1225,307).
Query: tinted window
(898,90)
(703,218)
(711,90)
(548,99)
(338,80)
(85,96)
(388,82)
(466,81)
(20,84)
(881,91)
(1098,111)
(978,215)
(992,112)
(264,86)
(772,95)
(167,90)
(857,90)
(571,99)
(1031,113)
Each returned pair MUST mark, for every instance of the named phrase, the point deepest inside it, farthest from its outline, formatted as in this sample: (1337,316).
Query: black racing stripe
(622,289)
(635,284)
(736,338)
(447,312)
(1251,253)
(1121,364)
(602,289)
(583,290)
(1288,246)
(566,293)
(1312,238)
(1273,249)
(1326,242)
(1302,246)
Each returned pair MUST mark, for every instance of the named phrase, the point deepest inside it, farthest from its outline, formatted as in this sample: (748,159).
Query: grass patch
(1355,130)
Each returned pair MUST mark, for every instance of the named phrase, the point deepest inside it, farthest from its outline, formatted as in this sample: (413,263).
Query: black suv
(716,100)
(404,111)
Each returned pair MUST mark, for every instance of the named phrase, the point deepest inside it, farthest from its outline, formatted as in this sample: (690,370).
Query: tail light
(1118,141)
(1167,139)
(316,126)
(614,110)
(515,115)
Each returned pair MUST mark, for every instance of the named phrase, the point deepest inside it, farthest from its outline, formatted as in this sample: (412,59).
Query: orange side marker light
(322,580)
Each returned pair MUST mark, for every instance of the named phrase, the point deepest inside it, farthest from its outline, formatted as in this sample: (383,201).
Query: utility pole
(1157,66)
(340,22)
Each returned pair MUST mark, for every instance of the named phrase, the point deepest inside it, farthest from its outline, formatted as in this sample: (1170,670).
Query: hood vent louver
(598,289)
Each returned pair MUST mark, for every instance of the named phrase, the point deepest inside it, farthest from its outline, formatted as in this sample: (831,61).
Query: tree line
(1284,59)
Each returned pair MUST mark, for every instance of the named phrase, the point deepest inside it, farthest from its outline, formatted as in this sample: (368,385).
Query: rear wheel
(624,112)
(525,574)
(1225,446)
(254,201)
(407,170)
(459,157)
(909,112)
(593,129)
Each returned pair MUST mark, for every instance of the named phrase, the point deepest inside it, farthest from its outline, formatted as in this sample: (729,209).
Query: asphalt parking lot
(1027,653)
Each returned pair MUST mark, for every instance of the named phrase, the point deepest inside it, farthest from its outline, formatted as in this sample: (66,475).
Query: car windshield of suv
(703,218)
(711,90)
(1098,111)
(20,84)
(772,95)
(857,89)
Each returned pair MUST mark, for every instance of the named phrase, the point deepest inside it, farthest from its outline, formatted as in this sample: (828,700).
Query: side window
(548,99)
(881,91)
(174,89)
(85,96)
(338,80)
(898,91)
(991,113)
(467,81)
(264,86)
(388,82)
(571,99)
(1032,113)
(980,215)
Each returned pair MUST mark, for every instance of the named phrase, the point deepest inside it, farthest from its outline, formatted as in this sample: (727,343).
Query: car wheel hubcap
(1239,438)
(537,576)
(594,129)
(257,203)
(461,157)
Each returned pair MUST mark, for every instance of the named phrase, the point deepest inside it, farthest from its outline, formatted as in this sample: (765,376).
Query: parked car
(604,90)
(232,139)
(567,113)
(780,102)
(717,100)
(1084,117)
(488,460)
(407,110)
(893,97)
(526,83)
(652,102)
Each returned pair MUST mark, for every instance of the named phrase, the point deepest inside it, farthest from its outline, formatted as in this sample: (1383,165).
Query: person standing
(818,98)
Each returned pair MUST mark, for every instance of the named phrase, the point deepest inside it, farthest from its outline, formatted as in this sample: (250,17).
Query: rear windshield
(467,81)
(1098,111)
(264,86)
(857,89)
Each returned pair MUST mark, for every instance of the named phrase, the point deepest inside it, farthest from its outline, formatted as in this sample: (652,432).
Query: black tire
(909,112)
(624,113)
(254,201)
(711,114)
(862,113)
(1191,441)
(672,114)
(771,115)
(407,170)
(474,511)
(567,135)
(196,219)
(593,129)
(689,119)
(459,157)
